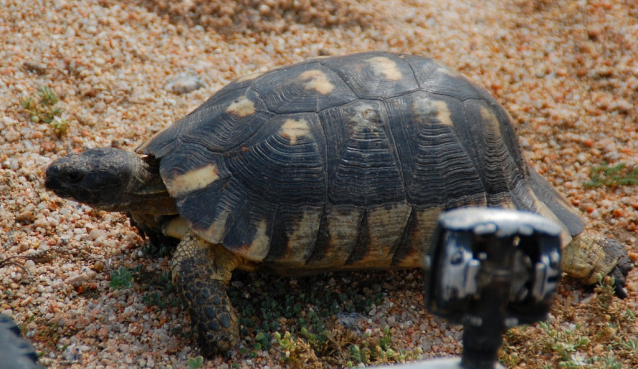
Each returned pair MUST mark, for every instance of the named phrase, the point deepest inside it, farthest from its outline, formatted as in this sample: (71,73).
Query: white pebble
(184,83)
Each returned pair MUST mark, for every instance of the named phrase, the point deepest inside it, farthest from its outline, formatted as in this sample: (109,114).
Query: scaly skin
(590,254)
(201,271)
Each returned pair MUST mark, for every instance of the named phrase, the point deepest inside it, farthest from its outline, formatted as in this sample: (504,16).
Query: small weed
(262,340)
(23,326)
(303,314)
(151,281)
(618,175)
(121,279)
(195,363)
(60,125)
(48,334)
(154,299)
(596,334)
(356,356)
(159,300)
(630,344)
(377,350)
(156,250)
(45,110)
(610,363)
(295,351)
(287,344)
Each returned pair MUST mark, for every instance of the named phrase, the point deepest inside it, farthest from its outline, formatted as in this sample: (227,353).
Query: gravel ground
(565,69)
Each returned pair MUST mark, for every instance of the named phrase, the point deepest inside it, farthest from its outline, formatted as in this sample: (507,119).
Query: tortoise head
(103,178)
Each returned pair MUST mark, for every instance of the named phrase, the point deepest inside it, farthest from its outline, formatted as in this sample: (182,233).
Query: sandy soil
(566,70)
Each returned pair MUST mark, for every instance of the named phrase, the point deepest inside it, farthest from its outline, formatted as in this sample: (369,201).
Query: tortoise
(335,163)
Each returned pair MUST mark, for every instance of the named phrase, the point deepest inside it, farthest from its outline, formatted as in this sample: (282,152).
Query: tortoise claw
(619,273)
(623,265)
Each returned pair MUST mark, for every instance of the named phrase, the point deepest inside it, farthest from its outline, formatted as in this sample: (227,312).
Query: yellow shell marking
(215,232)
(543,210)
(447,70)
(383,66)
(293,129)
(491,120)
(301,240)
(443,113)
(241,107)
(342,222)
(193,180)
(317,80)
(386,226)
(427,220)
(258,249)
(175,228)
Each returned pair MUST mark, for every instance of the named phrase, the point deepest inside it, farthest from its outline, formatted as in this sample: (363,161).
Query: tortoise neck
(146,192)
(153,199)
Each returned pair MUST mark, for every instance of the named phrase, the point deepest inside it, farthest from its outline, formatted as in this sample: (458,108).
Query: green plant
(121,279)
(618,175)
(566,342)
(156,250)
(630,344)
(48,334)
(289,347)
(45,110)
(195,363)
(356,356)
(23,326)
(262,341)
(610,362)
(599,334)
(378,350)
(60,125)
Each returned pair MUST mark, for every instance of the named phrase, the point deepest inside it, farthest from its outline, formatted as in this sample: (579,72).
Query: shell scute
(220,124)
(307,87)
(374,75)
(362,160)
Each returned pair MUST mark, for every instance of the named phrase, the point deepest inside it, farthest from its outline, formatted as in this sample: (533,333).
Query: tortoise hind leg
(590,254)
(201,271)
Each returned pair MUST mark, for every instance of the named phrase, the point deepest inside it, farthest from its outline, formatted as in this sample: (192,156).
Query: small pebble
(184,83)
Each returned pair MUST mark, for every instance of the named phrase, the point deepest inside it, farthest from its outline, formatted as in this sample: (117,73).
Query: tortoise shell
(345,162)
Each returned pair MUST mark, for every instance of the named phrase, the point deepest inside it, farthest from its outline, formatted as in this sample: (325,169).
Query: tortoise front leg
(201,272)
(589,254)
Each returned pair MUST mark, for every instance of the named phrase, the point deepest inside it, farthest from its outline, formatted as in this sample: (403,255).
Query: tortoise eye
(74,176)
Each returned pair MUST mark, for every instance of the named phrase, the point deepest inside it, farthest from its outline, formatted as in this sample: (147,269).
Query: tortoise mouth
(52,183)
(55,186)
(55,182)
(63,194)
